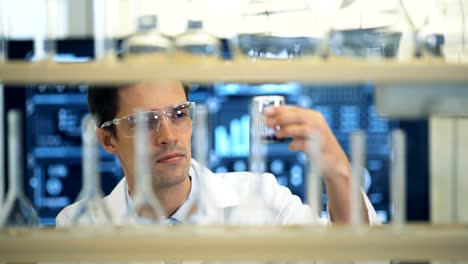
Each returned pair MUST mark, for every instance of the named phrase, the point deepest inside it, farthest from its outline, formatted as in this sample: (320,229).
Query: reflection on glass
(145,208)
(91,208)
(18,210)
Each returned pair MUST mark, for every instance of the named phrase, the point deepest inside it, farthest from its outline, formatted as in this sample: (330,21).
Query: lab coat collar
(217,188)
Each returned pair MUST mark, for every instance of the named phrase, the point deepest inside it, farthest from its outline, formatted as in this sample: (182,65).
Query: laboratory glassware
(314,176)
(367,30)
(195,43)
(18,210)
(424,37)
(259,104)
(46,31)
(201,209)
(145,207)
(104,46)
(148,44)
(254,207)
(358,159)
(274,29)
(91,208)
(398,177)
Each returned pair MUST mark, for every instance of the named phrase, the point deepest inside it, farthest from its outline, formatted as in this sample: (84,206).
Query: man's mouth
(170,157)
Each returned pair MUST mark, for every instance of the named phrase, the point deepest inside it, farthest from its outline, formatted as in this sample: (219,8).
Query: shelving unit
(412,242)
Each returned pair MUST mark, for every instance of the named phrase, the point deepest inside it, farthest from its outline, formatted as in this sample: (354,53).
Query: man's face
(169,147)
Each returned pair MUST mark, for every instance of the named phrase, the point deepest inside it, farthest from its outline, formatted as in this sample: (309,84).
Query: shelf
(412,242)
(338,71)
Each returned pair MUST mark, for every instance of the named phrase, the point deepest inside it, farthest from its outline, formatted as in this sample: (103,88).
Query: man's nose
(166,133)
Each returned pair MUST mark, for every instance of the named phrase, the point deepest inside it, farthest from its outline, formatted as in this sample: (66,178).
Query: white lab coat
(228,191)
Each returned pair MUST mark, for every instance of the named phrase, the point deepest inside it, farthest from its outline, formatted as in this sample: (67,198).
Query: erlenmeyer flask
(274,29)
(145,208)
(201,209)
(91,208)
(18,210)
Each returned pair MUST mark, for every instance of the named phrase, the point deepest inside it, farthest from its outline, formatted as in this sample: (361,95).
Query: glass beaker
(18,210)
(259,103)
(91,208)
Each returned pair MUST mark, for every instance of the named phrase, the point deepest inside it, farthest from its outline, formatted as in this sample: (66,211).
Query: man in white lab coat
(176,177)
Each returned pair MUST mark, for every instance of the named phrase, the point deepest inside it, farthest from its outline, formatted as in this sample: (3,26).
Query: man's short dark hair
(103,102)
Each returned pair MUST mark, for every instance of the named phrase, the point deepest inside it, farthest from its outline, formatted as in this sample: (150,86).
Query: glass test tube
(358,157)
(91,209)
(146,208)
(203,213)
(18,210)
(314,183)
(398,177)
(104,49)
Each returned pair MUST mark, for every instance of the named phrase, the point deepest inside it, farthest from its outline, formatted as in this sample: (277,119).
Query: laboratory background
(367,66)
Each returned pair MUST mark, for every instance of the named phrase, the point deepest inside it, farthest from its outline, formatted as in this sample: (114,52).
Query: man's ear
(105,137)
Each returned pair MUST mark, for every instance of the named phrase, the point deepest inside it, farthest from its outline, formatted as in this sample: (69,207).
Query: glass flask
(17,210)
(148,44)
(91,208)
(254,208)
(275,29)
(201,209)
(196,43)
(145,208)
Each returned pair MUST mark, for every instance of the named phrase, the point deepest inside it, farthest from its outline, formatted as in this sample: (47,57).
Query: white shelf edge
(252,72)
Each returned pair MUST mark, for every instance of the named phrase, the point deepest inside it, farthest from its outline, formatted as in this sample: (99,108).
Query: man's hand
(298,123)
